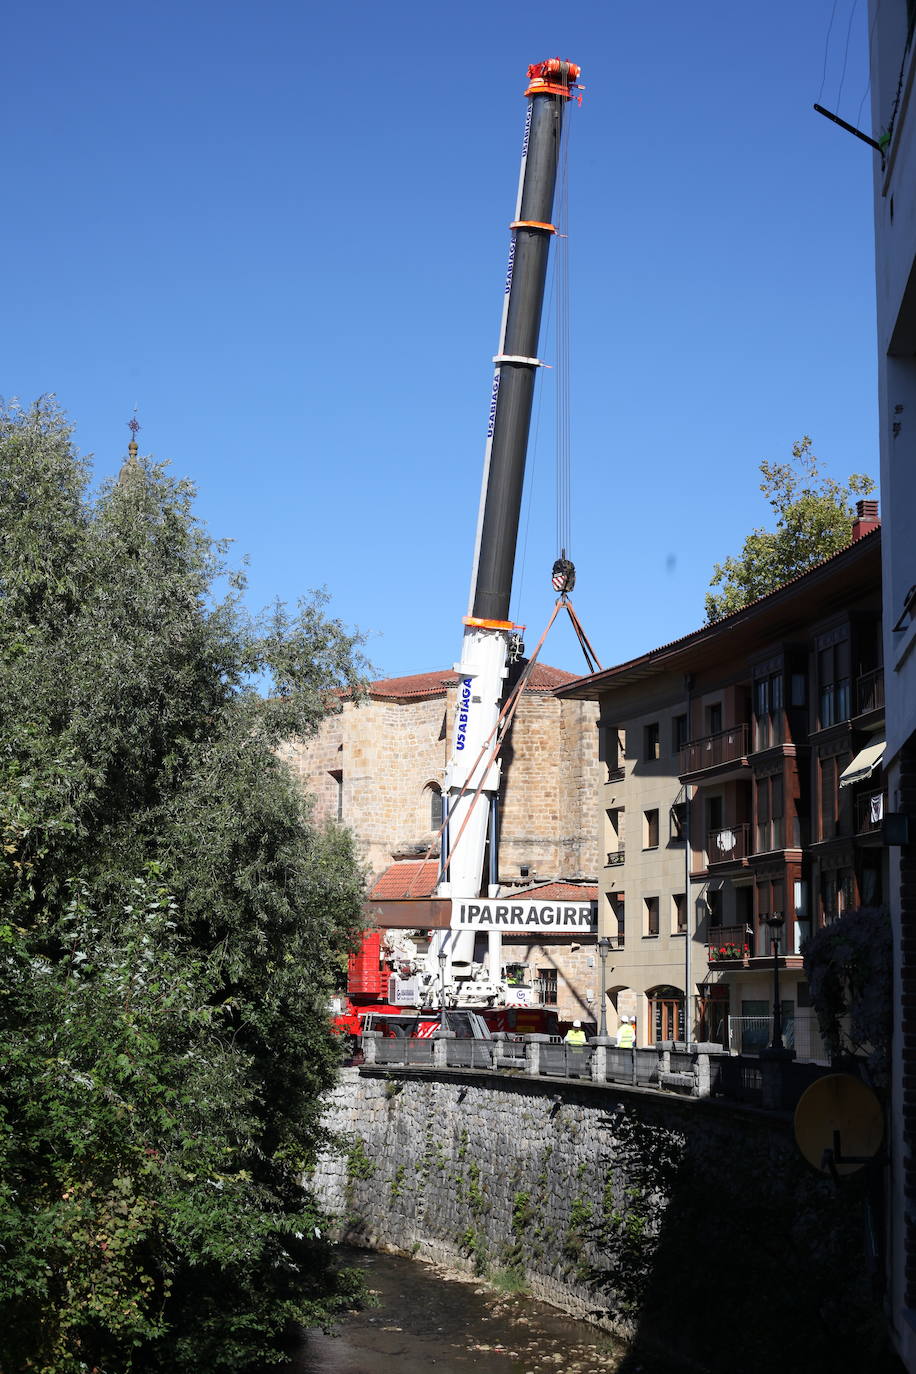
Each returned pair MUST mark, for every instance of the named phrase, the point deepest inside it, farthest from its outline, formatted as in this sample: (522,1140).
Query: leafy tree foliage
(170,925)
(849,965)
(814,515)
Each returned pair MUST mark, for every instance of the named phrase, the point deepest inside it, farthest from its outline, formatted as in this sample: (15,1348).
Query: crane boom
(487,630)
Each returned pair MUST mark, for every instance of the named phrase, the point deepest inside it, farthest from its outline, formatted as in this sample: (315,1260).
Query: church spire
(130,464)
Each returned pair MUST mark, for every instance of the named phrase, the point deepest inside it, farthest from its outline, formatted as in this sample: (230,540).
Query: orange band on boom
(548,88)
(533,224)
(477,624)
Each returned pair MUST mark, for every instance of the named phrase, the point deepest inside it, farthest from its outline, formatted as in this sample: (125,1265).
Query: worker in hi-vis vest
(575,1035)
(626,1036)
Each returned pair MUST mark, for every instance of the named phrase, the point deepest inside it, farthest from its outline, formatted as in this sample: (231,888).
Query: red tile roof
(543,679)
(406,878)
(558,892)
(418,878)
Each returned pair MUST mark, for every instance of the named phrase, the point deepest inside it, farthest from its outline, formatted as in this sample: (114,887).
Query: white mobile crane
(394,968)
(490,639)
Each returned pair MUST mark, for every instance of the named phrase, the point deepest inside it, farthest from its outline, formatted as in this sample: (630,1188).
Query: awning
(864,763)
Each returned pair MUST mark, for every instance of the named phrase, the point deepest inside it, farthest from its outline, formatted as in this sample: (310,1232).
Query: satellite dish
(839,1124)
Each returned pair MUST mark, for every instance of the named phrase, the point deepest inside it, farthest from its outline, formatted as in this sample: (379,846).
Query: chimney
(867,519)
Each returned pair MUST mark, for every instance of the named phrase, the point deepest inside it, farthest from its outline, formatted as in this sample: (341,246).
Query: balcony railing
(870,691)
(728,746)
(616,857)
(727,944)
(728,843)
(870,811)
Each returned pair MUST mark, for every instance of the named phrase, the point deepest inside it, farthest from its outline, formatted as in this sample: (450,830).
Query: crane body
(489,636)
(446,973)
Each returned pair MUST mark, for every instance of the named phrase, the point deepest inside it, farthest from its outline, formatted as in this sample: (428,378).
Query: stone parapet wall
(682,1224)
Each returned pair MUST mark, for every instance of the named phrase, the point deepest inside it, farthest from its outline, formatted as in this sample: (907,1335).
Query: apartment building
(891,27)
(742,801)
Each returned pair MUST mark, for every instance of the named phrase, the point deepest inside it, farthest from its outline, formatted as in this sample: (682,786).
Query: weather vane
(133,425)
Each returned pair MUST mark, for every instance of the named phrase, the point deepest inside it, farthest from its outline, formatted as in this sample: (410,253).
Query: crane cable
(563,468)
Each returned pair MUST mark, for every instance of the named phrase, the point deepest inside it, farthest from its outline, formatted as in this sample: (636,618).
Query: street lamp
(604,945)
(443,960)
(775,921)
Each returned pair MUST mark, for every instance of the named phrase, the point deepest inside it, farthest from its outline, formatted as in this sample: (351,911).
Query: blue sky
(280,231)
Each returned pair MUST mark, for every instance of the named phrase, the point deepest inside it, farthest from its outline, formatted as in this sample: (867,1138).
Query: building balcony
(740,947)
(870,810)
(615,857)
(727,845)
(729,948)
(870,692)
(720,756)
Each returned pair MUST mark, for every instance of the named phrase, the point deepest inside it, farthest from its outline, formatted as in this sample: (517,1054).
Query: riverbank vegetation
(170,924)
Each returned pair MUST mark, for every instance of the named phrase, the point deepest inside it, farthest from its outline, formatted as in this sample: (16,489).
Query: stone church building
(378,767)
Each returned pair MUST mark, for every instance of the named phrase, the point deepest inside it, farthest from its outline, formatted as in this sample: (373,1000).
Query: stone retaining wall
(681,1223)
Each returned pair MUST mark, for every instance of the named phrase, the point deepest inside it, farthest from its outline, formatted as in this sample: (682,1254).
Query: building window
(771,901)
(337,775)
(651,829)
(679,733)
(679,913)
(713,718)
(651,905)
(651,742)
(547,978)
(833,684)
(436,813)
(666,1014)
(615,834)
(771,826)
(714,907)
(613,751)
(831,768)
(837,894)
(618,916)
(768,716)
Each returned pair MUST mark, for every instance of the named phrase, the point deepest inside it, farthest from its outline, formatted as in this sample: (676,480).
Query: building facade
(378,767)
(893,73)
(742,803)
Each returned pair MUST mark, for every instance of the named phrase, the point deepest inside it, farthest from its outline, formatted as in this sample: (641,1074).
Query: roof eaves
(589,687)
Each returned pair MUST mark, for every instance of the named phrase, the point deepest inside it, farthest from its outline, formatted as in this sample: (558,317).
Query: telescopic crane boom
(487,629)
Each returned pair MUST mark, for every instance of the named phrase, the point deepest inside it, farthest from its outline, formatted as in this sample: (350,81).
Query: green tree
(814,515)
(171,922)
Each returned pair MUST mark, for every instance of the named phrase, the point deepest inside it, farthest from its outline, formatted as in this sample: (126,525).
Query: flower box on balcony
(719,953)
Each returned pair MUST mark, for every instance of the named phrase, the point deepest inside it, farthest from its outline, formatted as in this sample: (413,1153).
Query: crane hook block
(564,575)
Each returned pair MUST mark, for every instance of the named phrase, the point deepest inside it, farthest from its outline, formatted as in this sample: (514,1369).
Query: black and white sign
(502,913)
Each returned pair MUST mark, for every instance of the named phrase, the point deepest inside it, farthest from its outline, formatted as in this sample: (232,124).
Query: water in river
(426,1324)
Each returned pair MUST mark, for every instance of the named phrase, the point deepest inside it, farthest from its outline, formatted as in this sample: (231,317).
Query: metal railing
(728,843)
(727,942)
(727,746)
(615,857)
(870,691)
(700,1071)
(748,1035)
(870,811)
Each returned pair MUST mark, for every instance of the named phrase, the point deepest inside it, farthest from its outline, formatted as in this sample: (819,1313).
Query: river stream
(427,1323)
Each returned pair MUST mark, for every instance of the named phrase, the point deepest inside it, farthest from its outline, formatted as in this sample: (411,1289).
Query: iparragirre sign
(502,913)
